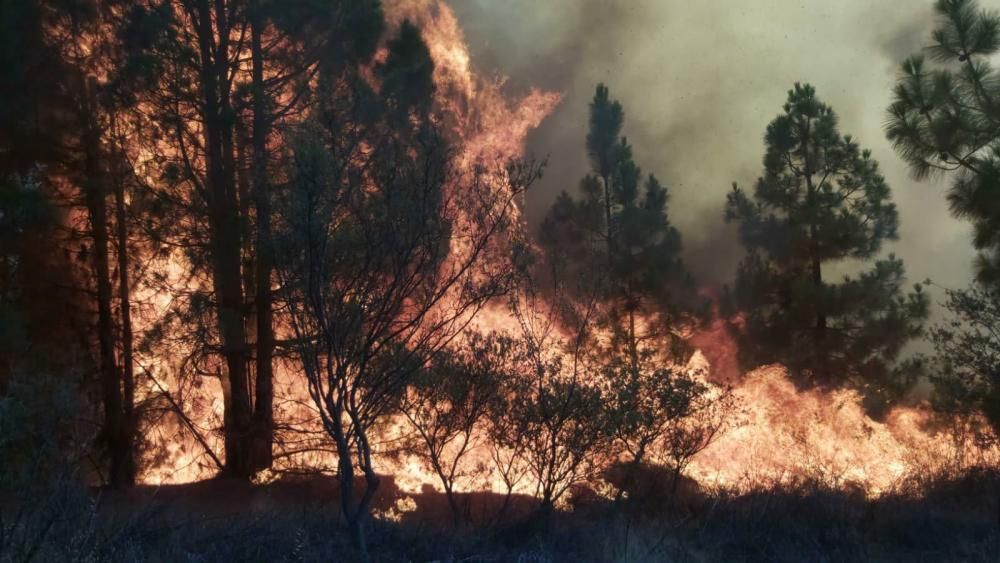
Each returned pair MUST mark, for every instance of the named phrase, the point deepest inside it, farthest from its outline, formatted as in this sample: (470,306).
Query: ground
(296,519)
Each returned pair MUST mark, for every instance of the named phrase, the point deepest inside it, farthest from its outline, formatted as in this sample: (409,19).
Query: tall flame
(786,434)
(488,126)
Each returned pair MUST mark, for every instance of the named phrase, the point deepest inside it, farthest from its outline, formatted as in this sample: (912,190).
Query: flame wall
(785,434)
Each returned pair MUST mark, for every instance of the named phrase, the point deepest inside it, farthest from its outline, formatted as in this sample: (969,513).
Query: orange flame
(787,435)
(827,437)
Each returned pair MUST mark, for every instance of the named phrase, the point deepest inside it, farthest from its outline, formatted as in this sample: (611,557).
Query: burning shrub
(387,252)
(664,414)
(445,404)
(555,419)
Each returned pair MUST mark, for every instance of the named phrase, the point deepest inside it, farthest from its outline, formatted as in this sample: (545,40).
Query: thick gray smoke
(699,82)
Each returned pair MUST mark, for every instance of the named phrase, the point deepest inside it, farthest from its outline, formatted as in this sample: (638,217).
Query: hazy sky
(700,81)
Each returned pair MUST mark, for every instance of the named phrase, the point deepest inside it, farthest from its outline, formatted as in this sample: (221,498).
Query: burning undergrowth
(777,434)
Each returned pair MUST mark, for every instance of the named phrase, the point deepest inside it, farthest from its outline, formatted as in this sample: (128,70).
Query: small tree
(709,411)
(617,238)
(945,120)
(445,405)
(631,298)
(643,402)
(503,431)
(822,199)
(387,251)
(968,350)
(550,408)
(664,414)
(557,421)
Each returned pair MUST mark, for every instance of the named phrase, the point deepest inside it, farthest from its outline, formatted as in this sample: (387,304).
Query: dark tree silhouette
(387,251)
(968,348)
(30,129)
(945,119)
(821,200)
(616,241)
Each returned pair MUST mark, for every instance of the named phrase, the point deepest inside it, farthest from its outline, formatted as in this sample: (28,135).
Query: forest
(311,280)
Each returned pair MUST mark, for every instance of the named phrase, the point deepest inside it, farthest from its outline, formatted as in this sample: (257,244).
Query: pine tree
(616,237)
(211,120)
(615,248)
(946,120)
(820,201)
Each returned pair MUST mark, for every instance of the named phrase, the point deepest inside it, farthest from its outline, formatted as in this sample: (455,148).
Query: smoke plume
(699,82)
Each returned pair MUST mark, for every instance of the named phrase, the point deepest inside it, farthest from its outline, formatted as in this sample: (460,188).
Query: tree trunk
(815,263)
(817,277)
(675,480)
(263,414)
(125,309)
(543,515)
(633,340)
(225,244)
(352,516)
(456,512)
(371,484)
(607,218)
(95,188)
(631,477)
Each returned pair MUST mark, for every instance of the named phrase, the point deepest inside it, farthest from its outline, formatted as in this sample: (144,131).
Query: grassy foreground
(955,519)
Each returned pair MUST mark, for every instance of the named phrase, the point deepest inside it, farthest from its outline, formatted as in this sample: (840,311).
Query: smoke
(699,82)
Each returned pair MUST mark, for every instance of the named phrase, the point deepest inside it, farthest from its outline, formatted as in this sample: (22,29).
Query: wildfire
(490,127)
(826,437)
(785,434)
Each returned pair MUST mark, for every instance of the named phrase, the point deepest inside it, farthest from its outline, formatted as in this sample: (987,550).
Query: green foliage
(446,404)
(945,119)
(616,236)
(821,199)
(607,118)
(663,415)
(551,417)
(968,354)
(644,401)
(631,299)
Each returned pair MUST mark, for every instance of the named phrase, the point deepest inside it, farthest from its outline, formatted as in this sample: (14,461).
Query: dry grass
(953,519)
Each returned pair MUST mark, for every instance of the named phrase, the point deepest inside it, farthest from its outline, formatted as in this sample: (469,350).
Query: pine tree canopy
(945,119)
(617,233)
(820,201)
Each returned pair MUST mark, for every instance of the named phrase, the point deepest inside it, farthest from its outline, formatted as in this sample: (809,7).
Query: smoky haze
(700,81)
